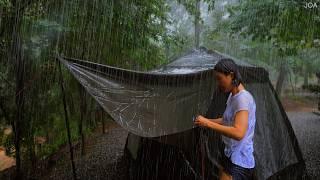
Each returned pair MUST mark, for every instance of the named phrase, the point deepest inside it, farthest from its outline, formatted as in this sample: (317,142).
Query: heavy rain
(113,89)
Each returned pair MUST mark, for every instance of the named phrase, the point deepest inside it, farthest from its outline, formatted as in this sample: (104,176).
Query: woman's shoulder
(245,95)
(250,97)
(248,93)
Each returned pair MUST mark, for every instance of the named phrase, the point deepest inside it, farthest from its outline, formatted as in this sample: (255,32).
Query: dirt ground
(306,126)
(5,161)
(299,104)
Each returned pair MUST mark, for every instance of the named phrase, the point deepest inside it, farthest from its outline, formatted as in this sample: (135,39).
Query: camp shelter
(158,108)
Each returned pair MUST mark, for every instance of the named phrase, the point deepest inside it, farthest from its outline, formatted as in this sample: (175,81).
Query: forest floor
(306,126)
(299,103)
(5,161)
(103,158)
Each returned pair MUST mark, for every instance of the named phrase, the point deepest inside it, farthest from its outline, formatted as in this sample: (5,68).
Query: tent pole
(67,123)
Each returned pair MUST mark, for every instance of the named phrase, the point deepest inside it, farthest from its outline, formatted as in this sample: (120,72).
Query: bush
(312,87)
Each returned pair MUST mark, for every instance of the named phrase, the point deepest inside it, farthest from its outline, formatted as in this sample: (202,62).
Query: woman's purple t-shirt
(240,152)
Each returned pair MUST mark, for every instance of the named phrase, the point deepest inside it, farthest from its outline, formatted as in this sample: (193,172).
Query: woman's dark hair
(227,66)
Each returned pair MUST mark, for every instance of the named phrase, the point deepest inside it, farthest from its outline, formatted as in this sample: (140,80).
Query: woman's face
(224,81)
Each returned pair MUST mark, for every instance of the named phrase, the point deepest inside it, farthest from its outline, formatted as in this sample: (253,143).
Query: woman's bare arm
(237,131)
(217,120)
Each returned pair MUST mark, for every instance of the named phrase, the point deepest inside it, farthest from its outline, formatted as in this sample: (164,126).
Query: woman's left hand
(201,121)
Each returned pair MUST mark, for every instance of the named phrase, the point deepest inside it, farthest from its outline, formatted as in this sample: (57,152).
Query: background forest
(281,36)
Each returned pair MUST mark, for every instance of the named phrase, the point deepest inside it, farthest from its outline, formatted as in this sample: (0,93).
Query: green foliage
(127,34)
(287,24)
(57,136)
(190,5)
(267,33)
(5,4)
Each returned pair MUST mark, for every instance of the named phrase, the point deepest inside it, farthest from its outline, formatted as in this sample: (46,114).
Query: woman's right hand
(201,121)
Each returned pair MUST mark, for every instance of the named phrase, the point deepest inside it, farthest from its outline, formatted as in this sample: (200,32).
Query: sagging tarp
(158,108)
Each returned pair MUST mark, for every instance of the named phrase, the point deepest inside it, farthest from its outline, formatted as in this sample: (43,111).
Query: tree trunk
(305,79)
(319,103)
(305,76)
(292,85)
(16,56)
(197,25)
(67,123)
(282,77)
(4,111)
(12,30)
(318,76)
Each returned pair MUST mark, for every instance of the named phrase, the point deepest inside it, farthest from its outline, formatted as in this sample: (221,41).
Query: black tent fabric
(158,108)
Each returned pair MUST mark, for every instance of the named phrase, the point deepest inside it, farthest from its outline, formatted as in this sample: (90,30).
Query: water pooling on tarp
(193,61)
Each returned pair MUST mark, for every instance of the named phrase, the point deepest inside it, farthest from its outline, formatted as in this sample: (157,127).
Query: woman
(236,125)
